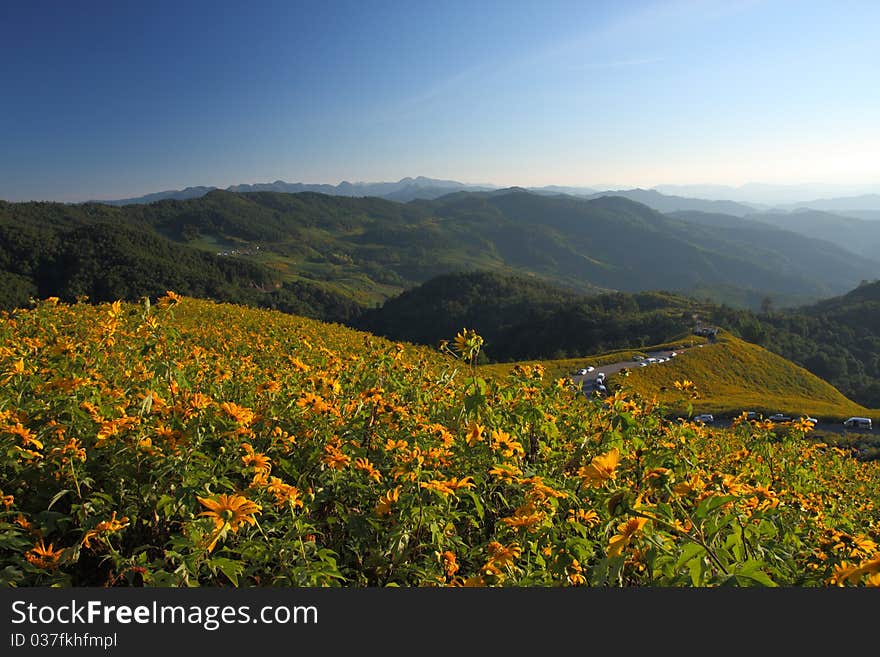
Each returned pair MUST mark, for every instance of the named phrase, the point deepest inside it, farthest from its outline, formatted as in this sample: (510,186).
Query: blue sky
(116,99)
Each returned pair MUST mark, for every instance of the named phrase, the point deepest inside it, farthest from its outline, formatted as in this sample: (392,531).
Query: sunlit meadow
(188,443)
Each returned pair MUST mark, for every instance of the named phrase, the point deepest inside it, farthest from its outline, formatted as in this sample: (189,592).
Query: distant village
(239,252)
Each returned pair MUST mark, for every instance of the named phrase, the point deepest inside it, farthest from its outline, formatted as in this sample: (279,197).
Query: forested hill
(369,249)
(838,340)
(521,318)
(99,252)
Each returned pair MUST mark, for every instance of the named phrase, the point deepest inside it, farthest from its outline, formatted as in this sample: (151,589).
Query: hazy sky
(116,99)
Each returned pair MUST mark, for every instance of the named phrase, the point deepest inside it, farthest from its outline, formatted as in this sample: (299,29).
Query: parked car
(705,418)
(600,376)
(858,423)
(779,417)
(601,388)
(751,415)
(673,354)
(812,420)
(638,358)
(582,371)
(589,368)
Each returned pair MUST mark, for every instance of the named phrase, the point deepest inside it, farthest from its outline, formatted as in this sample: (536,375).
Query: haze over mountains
(862,201)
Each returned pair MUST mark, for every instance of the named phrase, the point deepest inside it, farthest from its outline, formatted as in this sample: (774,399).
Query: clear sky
(111,99)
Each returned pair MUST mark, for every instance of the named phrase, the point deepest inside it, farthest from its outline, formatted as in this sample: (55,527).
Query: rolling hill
(852,234)
(368,249)
(732,375)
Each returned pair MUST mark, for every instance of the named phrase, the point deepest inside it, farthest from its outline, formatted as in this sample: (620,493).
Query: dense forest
(103,259)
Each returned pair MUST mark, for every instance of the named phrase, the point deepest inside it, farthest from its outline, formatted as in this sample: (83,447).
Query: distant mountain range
(769,195)
(663,198)
(405,189)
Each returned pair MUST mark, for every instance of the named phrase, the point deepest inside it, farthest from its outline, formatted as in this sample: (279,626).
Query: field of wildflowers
(189,443)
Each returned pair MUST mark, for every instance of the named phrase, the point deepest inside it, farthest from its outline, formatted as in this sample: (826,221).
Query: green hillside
(368,249)
(525,318)
(188,443)
(732,376)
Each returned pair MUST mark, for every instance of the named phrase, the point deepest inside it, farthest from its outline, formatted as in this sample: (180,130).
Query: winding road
(588,386)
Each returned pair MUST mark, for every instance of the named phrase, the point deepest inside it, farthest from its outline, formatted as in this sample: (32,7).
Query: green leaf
(57,497)
(478,505)
(752,569)
(232,569)
(696,569)
(689,552)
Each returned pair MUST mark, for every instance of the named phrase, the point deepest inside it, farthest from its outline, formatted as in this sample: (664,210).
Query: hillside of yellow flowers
(189,443)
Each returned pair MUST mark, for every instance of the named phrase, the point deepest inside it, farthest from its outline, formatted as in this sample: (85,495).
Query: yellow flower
(526,517)
(468,343)
(588,518)
(170,299)
(43,557)
(335,458)
(284,493)
(260,462)
(507,445)
(383,508)
(104,527)
(475,434)
(625,533)
(450,565)
(230,511)
(364,464)
(601,469)
(243,416)
(506,472)
(503,556)
(447,486)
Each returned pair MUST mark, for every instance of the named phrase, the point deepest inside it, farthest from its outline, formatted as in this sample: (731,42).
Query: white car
(705,418)
(589,368)
(672,354)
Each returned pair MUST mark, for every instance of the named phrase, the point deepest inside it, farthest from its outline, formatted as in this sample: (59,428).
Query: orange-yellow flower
(601,469)
(243,416)
(474,434)
(383,508)
(625,533)
(230,511)
(450,565)
(447,486)
(508,446)
(364,464)
(588,518)
(284,493)
(501,555)
(104,527)
(335,458)
(526,517)
(257,460)
(43,557)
